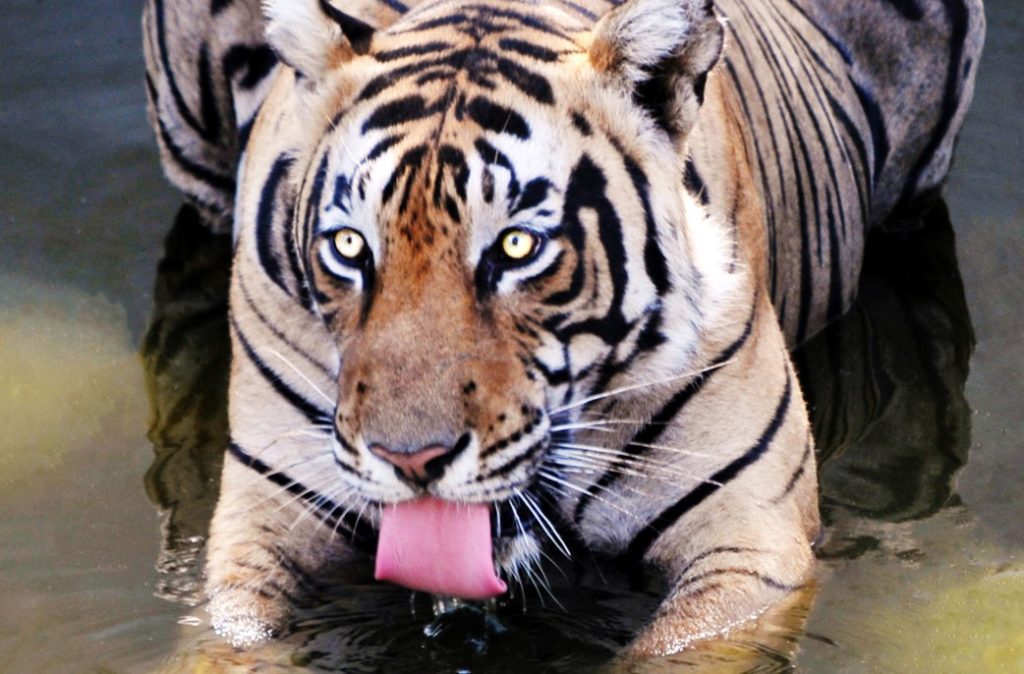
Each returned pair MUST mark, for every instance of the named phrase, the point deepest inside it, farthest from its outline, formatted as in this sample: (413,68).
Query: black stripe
(583,11)
(712,552)
(491,155)
(265,221)
(257,61)
(532,282)
(271,589)
(172,84)
(694,183)
(805,290)
(463,19)
(197,171)
(813,53)
(836,301)
(581,124)
(314,414)
(304,580)
(863,192)
(245,130)
(773,151)
(830,212)
(218,6)
(876,124)
(836,296)
(587,189)
(363,536)
(842,49)
(530,83)
(797,474)
(806,280)
(497,118)
(393,77)
(756,575)
(533,195)
(400,111)
(908,9)
(449,155)
(642,542)
(311,219)
(272,327)
(654,259)
(207,97)
(504,469)
(411,50)
(358,32)
(525,48)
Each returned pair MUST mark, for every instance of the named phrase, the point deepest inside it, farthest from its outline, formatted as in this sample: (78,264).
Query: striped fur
(629,388)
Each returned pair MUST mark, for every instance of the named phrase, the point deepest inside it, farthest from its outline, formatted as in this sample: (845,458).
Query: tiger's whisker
(558,480)
(633,387)
(599,423)
(594,449)
(304,378)
(654,473)
(631,461)
(544,522)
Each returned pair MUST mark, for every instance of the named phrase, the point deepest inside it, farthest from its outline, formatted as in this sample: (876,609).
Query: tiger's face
(493,227)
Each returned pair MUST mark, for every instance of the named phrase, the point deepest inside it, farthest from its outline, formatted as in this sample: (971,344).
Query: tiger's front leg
(729,512)
(745,546)
(269,548)
(285,526)
(723,588)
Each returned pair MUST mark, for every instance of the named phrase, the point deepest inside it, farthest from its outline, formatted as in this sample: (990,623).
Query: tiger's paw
(245,619)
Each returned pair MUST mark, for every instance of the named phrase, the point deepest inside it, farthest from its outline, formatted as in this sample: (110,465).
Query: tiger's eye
(349,243)
(518,244)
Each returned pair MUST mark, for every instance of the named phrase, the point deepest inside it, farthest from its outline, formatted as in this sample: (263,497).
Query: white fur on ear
(304,36)
(636,36)
(661,52)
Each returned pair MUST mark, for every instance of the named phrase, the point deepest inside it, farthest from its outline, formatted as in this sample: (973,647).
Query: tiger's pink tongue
(438,547)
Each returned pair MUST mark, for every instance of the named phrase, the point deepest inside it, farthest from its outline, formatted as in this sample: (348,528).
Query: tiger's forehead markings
(449,70)
(479,20)
(477,43)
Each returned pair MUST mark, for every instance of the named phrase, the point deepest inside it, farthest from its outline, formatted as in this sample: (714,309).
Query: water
(916,400)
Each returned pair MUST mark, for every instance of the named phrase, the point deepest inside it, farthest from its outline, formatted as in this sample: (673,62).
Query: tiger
(518,278)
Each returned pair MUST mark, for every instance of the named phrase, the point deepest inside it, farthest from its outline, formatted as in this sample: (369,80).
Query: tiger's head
(490,219)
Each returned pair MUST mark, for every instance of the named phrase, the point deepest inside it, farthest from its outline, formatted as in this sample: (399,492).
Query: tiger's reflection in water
(186,354)
(885,387)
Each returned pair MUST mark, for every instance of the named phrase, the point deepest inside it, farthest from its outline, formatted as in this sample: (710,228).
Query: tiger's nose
(421,466)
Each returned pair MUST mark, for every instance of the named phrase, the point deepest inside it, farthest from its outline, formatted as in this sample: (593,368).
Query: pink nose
(412,465)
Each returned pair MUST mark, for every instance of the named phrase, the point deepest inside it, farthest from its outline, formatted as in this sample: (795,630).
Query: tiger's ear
(660,51)
(312,36)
